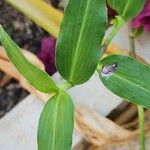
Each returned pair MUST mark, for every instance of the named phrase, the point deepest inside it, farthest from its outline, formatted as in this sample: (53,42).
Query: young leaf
(36,77)
(41,13)
(127,8)
(56,123)
(78,45)
(127,78)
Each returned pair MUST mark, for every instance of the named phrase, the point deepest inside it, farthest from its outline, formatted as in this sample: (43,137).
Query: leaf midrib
(55,122)
(126,7)
(75,56)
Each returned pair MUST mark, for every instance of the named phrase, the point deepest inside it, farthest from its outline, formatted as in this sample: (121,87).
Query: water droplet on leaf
(108,70)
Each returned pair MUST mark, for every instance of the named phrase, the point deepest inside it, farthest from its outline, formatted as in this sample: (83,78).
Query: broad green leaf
(127,8)
(56,123)
(78,45)
(36,77)
(127,78)
(41,13)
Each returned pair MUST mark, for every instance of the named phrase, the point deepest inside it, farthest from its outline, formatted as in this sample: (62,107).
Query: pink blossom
(111,13)
(47,54)
(143,19)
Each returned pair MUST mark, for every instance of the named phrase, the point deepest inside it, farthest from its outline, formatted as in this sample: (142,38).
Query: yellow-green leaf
(41,13)
(36,77)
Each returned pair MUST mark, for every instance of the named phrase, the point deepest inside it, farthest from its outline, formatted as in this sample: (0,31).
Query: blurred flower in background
(47,54)
(111,13)
(143,19)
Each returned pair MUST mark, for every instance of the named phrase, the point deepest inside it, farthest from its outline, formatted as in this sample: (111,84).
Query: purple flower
(111,13)
(47,54)
(143,19)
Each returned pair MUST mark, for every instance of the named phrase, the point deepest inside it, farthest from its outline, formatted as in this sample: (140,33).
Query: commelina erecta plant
(79,53)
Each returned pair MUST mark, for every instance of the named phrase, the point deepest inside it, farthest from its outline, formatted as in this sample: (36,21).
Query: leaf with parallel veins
(78,45)
(127,78)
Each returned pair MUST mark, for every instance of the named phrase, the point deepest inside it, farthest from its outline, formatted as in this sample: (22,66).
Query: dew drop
(108,70)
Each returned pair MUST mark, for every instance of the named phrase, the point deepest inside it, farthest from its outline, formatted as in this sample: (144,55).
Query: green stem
(66,86)
(141,127)
(117,24)
(140,108)
(132,47)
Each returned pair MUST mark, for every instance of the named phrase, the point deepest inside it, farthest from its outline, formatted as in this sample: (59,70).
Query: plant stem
(132,47)
(141,126)
(66,86)
(117,24)
(140,108)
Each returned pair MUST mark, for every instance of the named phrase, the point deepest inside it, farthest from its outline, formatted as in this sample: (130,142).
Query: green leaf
(128,9)
(78,45)
(36,77)
(56,123)
(127,78)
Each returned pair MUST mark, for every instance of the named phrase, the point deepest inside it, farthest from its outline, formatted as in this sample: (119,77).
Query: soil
(28,36)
